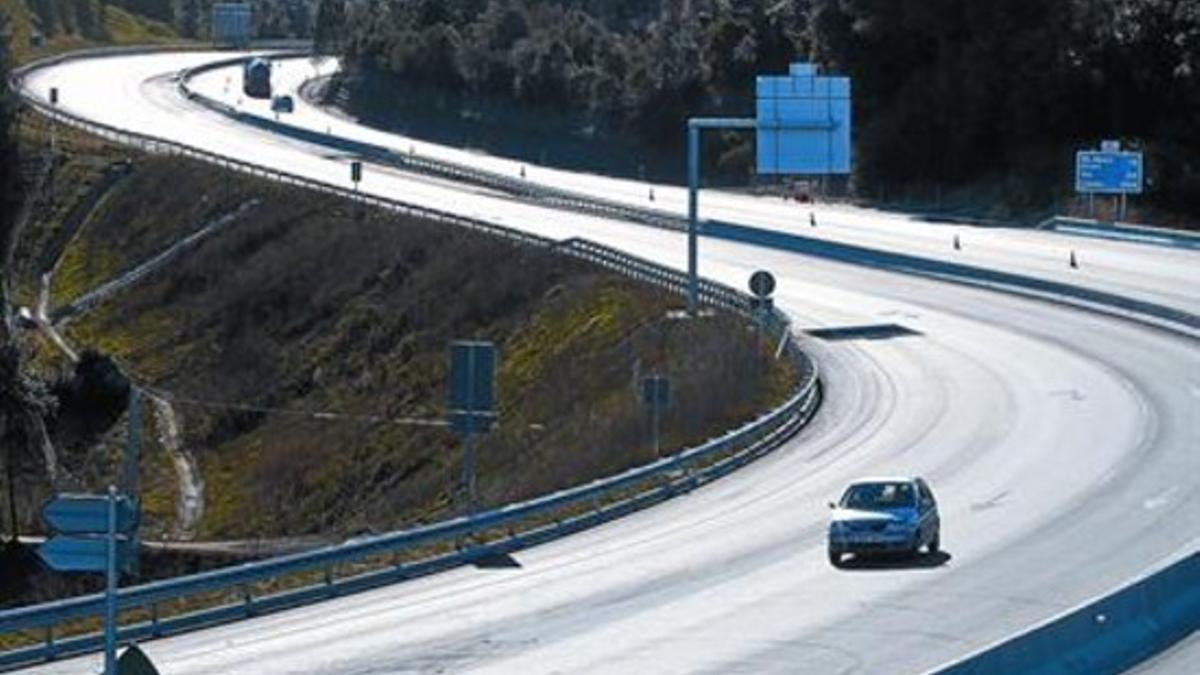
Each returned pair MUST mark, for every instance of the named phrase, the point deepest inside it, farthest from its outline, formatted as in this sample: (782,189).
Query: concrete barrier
(1108,635)
(1127,232)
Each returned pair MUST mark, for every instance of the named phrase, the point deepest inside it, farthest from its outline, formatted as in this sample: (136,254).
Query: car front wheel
(935,544)
(835,558)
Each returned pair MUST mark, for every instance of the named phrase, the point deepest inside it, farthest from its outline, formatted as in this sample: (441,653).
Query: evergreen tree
(189,18)
(330,22)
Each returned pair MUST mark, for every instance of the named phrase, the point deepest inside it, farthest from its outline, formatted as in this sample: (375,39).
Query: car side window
(927,500)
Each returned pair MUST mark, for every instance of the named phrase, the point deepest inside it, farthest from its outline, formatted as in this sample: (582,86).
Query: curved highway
(1061,443)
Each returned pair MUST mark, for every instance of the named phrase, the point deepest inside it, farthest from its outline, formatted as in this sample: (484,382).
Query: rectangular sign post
(472,402)
(53,123)
(656,395)
(356,173)
(1109,171)
(803,126)
(93,535)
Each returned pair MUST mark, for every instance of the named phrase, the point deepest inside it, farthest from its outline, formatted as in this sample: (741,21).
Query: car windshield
(878,496)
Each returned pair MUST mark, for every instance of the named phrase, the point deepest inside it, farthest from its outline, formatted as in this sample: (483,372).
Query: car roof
(884,479)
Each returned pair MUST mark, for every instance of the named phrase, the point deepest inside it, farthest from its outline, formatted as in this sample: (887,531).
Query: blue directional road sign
(1100,172)
(472,386)
(84,554)
(88,514)
(804,123)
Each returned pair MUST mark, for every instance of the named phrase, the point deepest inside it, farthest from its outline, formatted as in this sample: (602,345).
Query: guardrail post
(330,590)
(155,628)
(247,600)
(51,648)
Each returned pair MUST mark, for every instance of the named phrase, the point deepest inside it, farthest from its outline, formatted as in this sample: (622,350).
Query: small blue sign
(656,391)
(472,386)
(88,514)
(1099,172)
(85,554)
(804,123)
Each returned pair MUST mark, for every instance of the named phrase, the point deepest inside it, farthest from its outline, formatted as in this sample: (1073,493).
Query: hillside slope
(311,305)
(37,29)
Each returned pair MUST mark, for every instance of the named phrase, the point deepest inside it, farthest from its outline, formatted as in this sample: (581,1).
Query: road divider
(1128,232)
(1108,635)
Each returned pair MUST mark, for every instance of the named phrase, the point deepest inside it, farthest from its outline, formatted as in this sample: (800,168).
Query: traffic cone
(957,243)
(1073,262)
(812,219)
(651,194)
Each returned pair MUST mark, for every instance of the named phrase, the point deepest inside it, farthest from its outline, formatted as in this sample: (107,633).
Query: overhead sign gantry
(803,124)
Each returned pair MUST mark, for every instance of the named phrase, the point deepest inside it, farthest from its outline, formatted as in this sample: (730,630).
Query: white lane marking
(1161,500)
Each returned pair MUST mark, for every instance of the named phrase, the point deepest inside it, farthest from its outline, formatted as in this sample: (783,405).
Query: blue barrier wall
(1109,635)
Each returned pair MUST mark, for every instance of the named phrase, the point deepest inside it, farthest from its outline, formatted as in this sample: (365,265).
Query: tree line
(949,94)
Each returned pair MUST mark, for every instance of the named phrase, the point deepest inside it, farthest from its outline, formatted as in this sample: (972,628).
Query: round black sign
(762,283)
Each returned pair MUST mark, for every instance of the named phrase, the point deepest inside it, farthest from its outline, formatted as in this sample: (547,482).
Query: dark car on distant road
(884,515)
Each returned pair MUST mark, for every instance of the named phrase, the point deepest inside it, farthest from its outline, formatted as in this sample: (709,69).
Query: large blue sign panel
(1099,172)
(804,123)
(232,23)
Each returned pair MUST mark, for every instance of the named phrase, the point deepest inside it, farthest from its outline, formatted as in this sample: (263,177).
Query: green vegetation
(982,103)
(309,305)
(41,28)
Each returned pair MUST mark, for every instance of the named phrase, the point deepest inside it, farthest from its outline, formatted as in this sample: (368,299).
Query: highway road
(1061,443)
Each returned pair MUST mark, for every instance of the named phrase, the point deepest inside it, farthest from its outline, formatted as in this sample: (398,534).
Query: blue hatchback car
(884,515)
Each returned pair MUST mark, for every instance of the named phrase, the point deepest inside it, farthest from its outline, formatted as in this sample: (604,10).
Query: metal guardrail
(498,531)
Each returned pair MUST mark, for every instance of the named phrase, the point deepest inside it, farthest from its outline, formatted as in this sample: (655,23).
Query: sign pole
(469,458)
(133,445)
(53,121)
(695,126)
(110,596)
(469,472)
(655,425)
(693,199)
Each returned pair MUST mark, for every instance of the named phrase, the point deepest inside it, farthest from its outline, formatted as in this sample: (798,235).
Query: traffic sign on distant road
(1101,172)
(762,283)
(656,391)
(88,514)
(472,386)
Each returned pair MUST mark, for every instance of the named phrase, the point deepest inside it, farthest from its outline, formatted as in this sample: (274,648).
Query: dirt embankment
(292,345)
